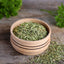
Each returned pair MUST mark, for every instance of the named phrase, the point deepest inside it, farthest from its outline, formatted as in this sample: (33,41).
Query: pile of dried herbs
(53,55)
(30,31)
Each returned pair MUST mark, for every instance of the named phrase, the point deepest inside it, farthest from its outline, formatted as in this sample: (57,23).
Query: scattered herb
(30,31)
(53,55)
(9,7)
(60,17)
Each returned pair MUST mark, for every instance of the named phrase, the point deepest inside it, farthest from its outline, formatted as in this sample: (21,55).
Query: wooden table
(7,54)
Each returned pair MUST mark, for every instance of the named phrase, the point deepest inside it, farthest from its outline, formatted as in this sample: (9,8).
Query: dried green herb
(30,31)
(53,55)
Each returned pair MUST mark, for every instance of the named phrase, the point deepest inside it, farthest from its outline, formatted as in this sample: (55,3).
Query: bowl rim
(11,31)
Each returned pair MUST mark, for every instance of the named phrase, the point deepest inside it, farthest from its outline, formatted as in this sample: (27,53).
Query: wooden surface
(7,54)
(42,4)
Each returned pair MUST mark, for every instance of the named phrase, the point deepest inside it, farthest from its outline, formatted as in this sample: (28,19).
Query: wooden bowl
(30,47)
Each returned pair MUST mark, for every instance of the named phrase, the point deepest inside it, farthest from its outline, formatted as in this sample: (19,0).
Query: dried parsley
(53,55)
(30,31)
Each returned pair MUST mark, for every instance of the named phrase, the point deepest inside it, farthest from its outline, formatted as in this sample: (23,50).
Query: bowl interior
(30,20)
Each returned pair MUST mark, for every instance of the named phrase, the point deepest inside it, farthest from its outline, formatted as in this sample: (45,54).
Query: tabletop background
(42,4)
(30,9)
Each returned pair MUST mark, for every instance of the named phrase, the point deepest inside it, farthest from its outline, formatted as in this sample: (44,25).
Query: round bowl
(30,47)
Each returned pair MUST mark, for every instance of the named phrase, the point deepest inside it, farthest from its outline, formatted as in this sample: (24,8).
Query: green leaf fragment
(53,55)
(30,31)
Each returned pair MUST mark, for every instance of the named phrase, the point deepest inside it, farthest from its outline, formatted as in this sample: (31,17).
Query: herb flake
(30,31)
